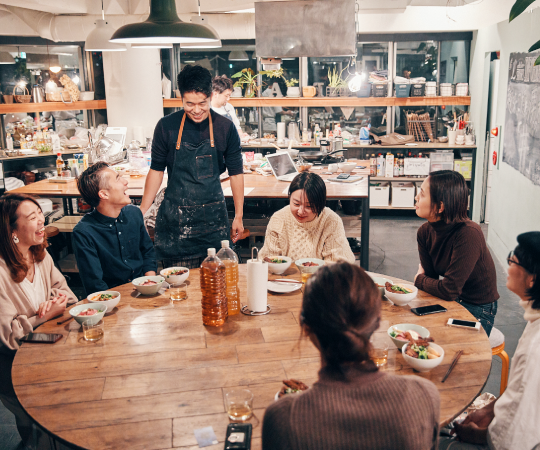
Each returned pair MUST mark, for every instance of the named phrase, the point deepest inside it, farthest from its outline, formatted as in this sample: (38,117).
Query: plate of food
(148,285)
(175,275)
(404,332)
(309,265)
(284,286)
(108,298)
(422,354)
(291,387)
(399,293)
(278,264)
(89,312)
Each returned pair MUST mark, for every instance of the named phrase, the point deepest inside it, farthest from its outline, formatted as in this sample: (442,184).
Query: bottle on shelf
(66,170)
(230,261)
(373,165)
(401,165)
(9,142)
(396,167)
(59,164)
(213,289)
(380,165)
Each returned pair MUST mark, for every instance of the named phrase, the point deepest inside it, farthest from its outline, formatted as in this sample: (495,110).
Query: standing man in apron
(196,145)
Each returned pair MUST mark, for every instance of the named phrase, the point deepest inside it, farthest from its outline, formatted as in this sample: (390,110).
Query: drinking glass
(239,403)
(178,291)
(93,331)
(378,351)
(306,276)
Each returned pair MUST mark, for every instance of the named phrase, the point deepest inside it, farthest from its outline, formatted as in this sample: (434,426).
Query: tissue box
(403,195)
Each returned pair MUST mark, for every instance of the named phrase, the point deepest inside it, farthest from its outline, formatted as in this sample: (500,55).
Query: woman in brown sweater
(453,247)
(32,290)
(353,406)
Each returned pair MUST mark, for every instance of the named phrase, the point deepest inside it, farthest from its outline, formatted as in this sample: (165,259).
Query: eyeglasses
(510,261)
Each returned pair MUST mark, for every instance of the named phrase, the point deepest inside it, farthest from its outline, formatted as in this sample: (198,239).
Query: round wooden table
(158,373)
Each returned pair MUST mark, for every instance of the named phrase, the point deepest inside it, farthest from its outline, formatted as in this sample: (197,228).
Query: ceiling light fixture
(163,26)
(152,46)
(6,58)
(55,68)
(238,55)
(98,39)
(203,21)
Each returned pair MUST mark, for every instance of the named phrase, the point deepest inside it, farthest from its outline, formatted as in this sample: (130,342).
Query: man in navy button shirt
(112,246)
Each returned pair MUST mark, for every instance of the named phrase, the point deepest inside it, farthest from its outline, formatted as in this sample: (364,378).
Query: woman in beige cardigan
(32,289)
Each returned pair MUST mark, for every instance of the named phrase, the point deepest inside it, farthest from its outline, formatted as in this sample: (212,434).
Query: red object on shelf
(495,131)
(495,158)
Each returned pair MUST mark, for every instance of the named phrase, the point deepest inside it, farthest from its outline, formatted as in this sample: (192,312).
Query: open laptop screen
(281,163)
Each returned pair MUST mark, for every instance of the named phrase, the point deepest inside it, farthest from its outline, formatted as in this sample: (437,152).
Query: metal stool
(496,340)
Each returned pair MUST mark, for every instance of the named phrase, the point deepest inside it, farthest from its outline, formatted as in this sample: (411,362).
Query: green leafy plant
(279,73)
(335,79)
(249,78)
(519,7)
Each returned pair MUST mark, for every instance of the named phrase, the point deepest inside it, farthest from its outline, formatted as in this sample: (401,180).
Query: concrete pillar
(133,91)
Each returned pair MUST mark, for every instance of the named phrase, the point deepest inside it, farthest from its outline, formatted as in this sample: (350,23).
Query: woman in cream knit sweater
(306,228)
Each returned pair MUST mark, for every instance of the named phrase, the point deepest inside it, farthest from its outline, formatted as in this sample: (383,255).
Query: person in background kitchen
(222,88)
(196,145)
(32,290)
(511,421)
(453,247)
(111,244)
(352,405)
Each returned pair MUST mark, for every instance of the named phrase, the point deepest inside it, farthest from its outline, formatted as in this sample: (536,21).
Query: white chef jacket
(516,424)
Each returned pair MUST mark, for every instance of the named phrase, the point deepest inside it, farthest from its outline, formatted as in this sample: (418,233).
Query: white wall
(455,49)
(515,200)
(133,91)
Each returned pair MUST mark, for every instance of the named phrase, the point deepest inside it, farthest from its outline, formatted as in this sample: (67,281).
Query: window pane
(455,62)
(417,59)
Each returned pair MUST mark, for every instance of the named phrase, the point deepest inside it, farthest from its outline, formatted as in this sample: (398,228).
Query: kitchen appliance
(282,166)
(336,144)
(325,146)
(38,94)
(320,157)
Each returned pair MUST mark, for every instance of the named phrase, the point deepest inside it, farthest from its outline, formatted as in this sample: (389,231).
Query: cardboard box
(379,195)
(464,168)
(403,195)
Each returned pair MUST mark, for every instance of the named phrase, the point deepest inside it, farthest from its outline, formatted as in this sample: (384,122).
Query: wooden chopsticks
(454,362)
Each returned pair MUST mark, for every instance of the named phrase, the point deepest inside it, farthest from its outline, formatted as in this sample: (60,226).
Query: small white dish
(110,304)
(174,279)
(76,310)
(423,365)
(402,299)
(279,268)
(423,332)
(283,288)
(148,290)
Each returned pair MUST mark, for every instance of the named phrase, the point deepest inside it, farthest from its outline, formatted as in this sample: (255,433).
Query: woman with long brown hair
(353,405)
(32,289)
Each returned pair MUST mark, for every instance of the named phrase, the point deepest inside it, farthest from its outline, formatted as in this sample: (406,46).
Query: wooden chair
(496,339)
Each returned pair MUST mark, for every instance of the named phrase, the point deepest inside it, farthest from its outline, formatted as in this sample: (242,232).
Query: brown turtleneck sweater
(359,411)
(457,252)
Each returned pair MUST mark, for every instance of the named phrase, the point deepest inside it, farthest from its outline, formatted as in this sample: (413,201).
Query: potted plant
(292,91)
(248,78)
(336,82)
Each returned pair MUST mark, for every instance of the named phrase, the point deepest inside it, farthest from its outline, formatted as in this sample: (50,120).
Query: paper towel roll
(257,281)
(281,131)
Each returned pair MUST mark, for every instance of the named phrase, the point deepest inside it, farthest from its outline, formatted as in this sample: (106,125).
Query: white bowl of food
(148,285)
(347,167)
(401,294)
(398,333)
(109,298)
(89,312)
(175,275)
(309,265)
(420,364)
(278,264)
(380,282)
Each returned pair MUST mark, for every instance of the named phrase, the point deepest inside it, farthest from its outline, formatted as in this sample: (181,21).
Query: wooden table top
(158,373)
(264,187)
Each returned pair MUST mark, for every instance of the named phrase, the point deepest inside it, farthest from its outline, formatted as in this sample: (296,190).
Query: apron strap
(179,140)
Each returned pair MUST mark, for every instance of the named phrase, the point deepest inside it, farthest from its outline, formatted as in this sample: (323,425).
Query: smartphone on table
(42,338)
(343,176)
(431,309)
(238,436)
(471,325)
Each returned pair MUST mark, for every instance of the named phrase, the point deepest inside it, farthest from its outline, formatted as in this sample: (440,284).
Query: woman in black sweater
(453,247)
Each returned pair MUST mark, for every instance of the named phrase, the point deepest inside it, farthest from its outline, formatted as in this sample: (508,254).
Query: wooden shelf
(396,179)
(336,101)
(392,207)
(51,106)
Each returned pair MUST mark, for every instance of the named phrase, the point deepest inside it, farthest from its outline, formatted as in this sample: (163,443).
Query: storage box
(464,168)
(446,89)
(462,89)
(416,166)
(418,90)
(364,91)
(403,195)
(379,89)
(442,156)
(442,166)
(431,89)
(379,194)
(403,90)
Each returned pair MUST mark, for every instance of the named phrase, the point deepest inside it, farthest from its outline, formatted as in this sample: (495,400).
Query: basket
(379,89)
(431,89)
(418,90)
(8,99)
(403,90)
(422,127)
(462,89)
(364,91)
(54,96)
(446,89)
(338,91)
(21,98)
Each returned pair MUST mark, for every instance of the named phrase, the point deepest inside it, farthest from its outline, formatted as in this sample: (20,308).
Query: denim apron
(193,215)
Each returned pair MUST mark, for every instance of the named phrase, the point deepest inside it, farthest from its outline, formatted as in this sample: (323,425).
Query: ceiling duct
(305,28)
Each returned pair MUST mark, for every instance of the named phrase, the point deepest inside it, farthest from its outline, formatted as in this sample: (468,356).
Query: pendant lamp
(216,43)
(6,58)
(238,55)
(163,26)
(55,66)
(98,39)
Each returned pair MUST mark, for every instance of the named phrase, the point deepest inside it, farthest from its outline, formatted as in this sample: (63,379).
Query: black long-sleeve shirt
(226,141)
(110,251)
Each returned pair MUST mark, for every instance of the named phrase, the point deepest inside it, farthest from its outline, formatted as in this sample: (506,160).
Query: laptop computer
(282,166)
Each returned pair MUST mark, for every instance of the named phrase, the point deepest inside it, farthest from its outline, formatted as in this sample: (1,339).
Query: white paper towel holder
(245,310)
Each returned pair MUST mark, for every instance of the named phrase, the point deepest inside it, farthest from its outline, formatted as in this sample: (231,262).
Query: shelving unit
(12,108)
(334,101)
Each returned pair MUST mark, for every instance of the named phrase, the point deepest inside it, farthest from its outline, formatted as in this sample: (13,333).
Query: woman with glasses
(511,422)
(455,263)
(353,405)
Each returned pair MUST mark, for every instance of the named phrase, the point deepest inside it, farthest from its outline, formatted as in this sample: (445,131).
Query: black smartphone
(343,176)
(238,436)
(431,309)
(42,338)
(360,167)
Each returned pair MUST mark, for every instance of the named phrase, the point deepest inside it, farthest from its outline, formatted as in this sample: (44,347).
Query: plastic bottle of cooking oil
(230,260)
(213,289)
